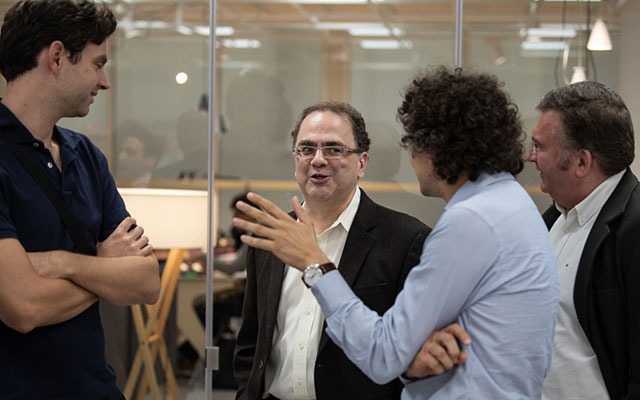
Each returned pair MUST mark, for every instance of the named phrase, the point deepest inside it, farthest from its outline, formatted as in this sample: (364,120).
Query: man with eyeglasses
(282,350)
(488,264)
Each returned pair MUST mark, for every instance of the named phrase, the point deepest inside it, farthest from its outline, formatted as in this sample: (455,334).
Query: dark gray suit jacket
(381,247)
(607,288)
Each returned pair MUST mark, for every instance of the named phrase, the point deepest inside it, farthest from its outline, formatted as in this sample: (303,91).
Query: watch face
(312,274)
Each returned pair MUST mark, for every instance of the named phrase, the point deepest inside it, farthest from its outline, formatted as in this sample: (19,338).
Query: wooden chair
(150,333)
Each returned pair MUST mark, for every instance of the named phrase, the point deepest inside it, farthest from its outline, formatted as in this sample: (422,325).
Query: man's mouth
(319,178)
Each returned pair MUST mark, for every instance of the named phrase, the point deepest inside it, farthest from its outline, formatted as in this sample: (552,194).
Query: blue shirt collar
(471,188)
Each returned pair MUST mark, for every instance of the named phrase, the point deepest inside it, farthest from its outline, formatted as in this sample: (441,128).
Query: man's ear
(362,161)
(55,52)
(585,162)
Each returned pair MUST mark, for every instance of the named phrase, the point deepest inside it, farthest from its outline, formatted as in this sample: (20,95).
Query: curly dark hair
(594,118)
(358,125)
(464,121)
(31,25)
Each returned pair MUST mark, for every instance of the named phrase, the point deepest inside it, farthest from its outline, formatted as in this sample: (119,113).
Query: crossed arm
(39,289)
(439,353)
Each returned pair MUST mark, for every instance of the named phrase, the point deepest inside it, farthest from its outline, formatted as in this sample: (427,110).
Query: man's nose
(319,156)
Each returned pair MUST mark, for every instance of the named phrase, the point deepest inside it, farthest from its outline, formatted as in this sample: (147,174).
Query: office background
(274,57)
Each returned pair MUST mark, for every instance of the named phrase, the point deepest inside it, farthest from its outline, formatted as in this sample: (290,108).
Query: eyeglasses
(329,152)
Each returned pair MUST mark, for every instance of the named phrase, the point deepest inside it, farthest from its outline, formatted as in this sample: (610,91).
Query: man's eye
(306,150)
(333,150)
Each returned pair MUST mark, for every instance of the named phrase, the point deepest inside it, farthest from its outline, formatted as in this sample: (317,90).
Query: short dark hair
(464,121)
(594,118)
(31,25)
(358,125)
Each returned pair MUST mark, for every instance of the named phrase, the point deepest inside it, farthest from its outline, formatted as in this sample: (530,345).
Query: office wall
(260,92)
(629,67)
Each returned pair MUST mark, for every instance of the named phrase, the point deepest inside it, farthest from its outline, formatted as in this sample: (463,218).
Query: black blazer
(607,288)
(381,247)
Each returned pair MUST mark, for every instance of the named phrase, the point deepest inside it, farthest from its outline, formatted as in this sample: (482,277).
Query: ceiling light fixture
(242,43)
(599,39)
(579,74)
(375,30)
(386,44)
(549,31)
(543,46)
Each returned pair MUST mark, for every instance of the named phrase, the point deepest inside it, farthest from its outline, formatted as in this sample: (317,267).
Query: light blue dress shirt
(489,265)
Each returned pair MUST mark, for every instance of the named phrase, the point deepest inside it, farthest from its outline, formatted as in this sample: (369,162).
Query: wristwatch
(314,272)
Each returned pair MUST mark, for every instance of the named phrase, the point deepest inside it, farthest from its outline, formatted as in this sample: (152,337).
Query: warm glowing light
(182,78)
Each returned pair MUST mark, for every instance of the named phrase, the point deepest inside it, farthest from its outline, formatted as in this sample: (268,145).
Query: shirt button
(307,311)
(299,382)
(36,144)
(301,347)
(50,165)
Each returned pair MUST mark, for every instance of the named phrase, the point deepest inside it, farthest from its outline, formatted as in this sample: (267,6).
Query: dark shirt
(66,360)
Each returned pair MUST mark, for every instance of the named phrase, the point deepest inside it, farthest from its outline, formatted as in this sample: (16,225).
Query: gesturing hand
(292,241)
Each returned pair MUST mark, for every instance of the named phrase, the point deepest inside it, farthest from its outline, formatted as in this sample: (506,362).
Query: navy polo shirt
(66,360)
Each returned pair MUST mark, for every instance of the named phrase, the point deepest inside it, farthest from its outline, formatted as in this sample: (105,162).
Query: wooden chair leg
(150,337)
(147,361)
(172,384)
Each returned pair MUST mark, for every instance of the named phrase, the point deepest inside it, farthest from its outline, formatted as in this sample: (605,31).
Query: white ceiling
(413,17)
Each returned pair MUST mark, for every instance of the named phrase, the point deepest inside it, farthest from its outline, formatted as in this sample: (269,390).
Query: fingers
(301,214)
(436,358)
(458,331)
(257,242)
(146,250)
(125,225)
(445,349)
(266,212)
(440,352)
(136,232)
(267,206)
(259,216)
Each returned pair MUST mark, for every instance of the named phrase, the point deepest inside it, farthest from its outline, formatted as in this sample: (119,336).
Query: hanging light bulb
(599,39)
(579,74)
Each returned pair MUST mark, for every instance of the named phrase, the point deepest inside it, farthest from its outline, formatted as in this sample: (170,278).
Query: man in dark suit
(282,350)
(583,145)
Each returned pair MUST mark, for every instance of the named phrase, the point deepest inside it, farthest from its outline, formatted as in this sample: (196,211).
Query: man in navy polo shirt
(52,54)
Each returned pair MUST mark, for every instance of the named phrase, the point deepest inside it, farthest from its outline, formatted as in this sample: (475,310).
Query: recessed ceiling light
(548,45)
(386,44)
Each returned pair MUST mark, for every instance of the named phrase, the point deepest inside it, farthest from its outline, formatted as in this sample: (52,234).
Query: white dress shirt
(290,371)
(574,373)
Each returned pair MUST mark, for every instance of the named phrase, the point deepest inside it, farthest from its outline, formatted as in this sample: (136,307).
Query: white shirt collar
(593,203)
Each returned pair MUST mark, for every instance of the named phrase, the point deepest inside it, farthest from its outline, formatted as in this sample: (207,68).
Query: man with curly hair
(488,263)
